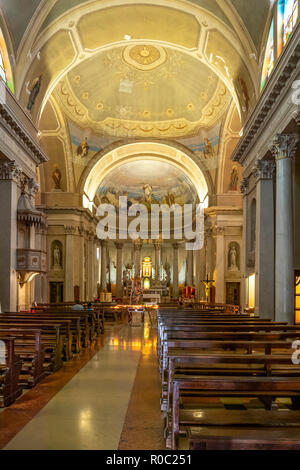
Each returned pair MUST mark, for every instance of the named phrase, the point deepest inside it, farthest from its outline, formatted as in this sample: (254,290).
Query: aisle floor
(89,412)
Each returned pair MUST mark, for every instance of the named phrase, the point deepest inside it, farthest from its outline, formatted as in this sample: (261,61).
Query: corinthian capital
(10,171)
(284,146)
(244,186)
(263,169)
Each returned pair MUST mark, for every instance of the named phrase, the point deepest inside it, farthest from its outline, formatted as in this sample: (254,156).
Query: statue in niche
(56,256)
(35,89)
(56,176)
(148,190)
(83,148)
(234,179)
(233,257)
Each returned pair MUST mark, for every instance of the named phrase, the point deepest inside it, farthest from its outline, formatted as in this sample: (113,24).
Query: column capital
(218,229)
(10,171)
(176,246)
(263,169)
(244,186)
(137,244)
(70,230)
(284,146)
(119,245)
(296,117)
(157,244)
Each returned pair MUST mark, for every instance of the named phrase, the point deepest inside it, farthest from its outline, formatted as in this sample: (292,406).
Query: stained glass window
(5,67)
(287,15)
(2,69)
(269,57)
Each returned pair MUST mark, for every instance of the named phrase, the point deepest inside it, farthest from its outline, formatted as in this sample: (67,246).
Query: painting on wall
(147,182)
(205,146)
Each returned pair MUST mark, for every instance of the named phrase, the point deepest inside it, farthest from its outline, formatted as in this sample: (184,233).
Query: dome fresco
(167,184)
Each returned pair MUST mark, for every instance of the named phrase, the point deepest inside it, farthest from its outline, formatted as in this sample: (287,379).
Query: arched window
(285,17)
(5,66)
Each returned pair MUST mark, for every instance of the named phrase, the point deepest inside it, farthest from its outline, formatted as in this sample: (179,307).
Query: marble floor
(92,409)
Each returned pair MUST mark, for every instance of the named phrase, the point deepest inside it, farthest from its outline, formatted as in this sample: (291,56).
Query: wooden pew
(51,338)
(10,389)
(29,347)
(62,325)
(265,388)
(244,438)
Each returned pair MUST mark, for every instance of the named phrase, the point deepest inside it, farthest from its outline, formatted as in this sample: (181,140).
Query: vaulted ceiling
(252,13)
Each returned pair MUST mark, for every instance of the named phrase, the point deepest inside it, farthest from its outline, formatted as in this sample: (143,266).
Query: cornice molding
(15,129)
(278,84)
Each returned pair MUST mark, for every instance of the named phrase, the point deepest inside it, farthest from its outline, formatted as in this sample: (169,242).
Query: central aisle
(89,412)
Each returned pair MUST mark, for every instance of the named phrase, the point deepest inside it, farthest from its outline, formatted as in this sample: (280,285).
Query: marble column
(264,250)
(284,149)
(69,264)
(10,175)
(202,272)
(137,257)
(81,254)
(220,264)
(175,271)
(157,245)
(209,252)
(38,280)
(91,255)
(189,267)
(244,186)
(119,273)
(103,265)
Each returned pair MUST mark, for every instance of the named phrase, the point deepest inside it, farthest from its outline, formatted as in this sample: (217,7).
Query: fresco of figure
(83,148)
(148,192)
(35,89)
(208,148)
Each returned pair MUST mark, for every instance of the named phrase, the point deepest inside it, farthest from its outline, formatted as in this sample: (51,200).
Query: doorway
(233,293)
(56,292)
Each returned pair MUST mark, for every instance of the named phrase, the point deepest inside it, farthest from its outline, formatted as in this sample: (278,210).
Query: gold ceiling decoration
(112,93)
(144,57)
(124,127)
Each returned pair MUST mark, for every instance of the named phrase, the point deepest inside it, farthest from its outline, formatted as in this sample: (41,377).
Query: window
(287,14)
(269,57)
(5,67)
(284,21)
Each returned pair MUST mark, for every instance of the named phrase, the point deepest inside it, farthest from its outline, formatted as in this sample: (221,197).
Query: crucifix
(207,283)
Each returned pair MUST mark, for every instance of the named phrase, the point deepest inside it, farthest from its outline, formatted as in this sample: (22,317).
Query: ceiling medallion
(144,56)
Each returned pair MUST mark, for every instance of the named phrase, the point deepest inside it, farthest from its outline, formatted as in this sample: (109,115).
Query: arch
(106,161)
